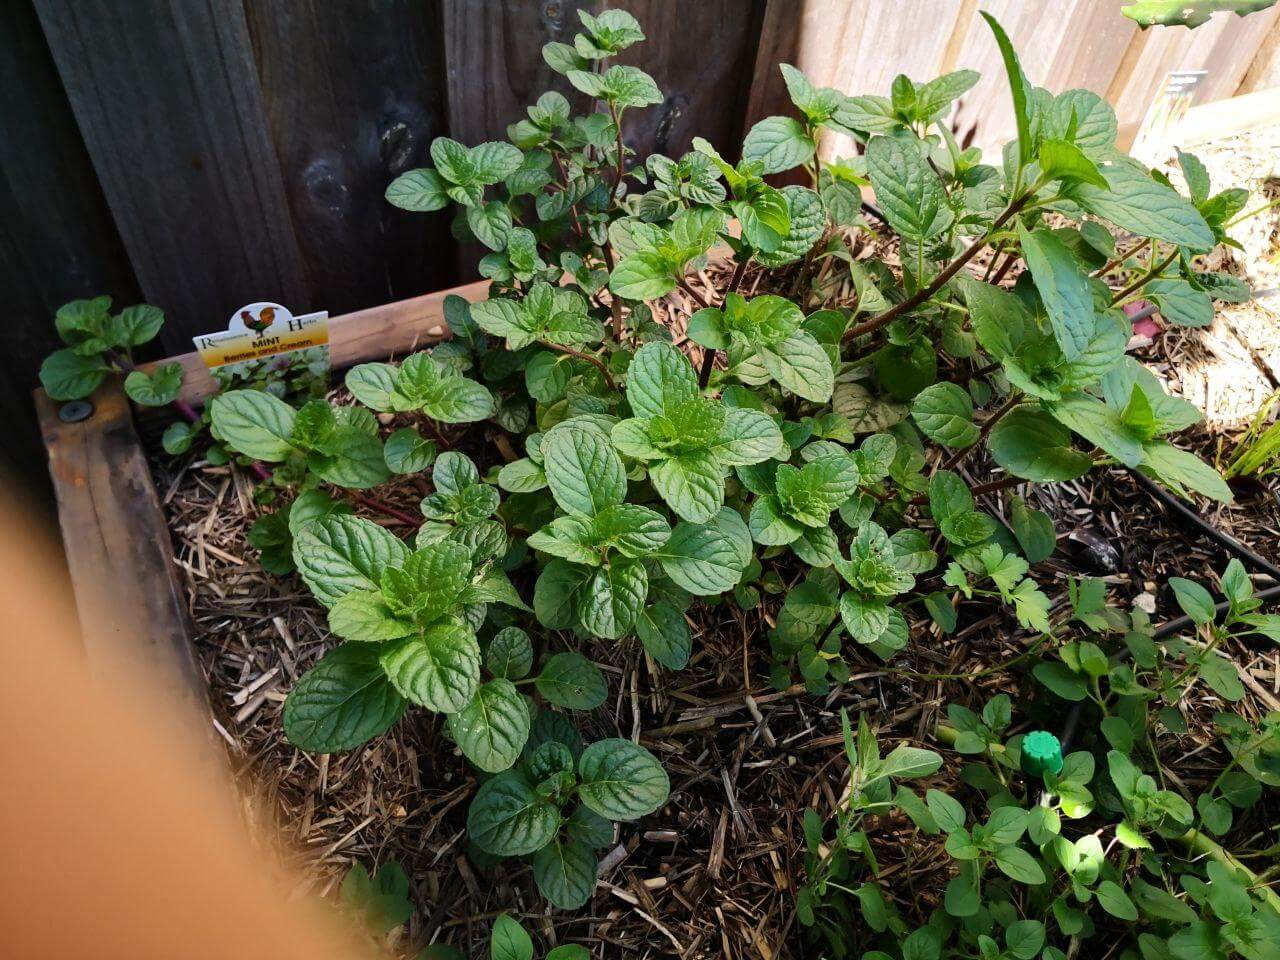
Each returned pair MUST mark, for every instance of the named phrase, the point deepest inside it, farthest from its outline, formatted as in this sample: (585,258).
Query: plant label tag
(264,343)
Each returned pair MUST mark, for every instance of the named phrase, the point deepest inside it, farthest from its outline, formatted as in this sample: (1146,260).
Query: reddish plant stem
(1005,267)
(987,425)
(615,302)
(709,353)
(949,271)
(981,489)
(697,298)
(1119,259)
(1146,277)
(594,361)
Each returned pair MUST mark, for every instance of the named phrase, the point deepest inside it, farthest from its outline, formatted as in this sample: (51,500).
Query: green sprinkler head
(1041,753)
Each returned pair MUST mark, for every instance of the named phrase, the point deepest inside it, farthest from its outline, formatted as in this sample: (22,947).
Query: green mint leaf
(571,680)
(438,669)
(621,780)
(509,654)
(492,729)
(692,484)
(800,365)
(1141,205)
(338,554)
(407,451)
(341,702)
(420,191)
(154,389)
(1060,160)
(1063,287)
(508,819)
(1034,446)
(365,617)
(944,412)
(608,604)
(778,144)
(565,872)
(1022,107)
(1179,303)
(583,471)
(254,423)
(707,559)
(555,595)
(659,376)
(806,218)
(372,384)
(664,632)
(908,190)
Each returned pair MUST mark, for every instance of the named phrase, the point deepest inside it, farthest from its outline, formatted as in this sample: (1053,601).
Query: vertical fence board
(1264,71)
(354,96)
(167,98)
(702,57)
(57,238)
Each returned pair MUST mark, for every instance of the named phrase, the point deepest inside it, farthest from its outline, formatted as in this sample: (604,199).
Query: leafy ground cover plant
(840,453)
(1053,853)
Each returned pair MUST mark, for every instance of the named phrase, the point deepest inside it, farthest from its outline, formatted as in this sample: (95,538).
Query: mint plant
(557,805)
(842,456)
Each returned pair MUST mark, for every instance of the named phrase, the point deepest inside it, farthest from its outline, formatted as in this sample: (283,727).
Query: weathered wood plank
(354,96)
(372,334)
(130,601)
(166,95)
(57,239)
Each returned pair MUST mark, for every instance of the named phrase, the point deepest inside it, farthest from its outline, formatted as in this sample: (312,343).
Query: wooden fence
(200,154)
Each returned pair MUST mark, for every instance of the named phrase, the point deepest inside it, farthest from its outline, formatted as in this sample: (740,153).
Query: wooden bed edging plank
(130,603)
(365,335)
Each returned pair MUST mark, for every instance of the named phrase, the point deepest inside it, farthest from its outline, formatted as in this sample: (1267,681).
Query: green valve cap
(1041,753)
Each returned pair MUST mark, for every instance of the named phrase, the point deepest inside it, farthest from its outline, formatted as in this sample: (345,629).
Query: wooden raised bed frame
(129,598)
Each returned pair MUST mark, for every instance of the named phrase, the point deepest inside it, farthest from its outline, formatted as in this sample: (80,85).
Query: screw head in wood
(75,411)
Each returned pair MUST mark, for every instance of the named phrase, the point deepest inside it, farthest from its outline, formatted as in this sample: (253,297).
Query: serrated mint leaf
(372,384)
(1063,287)
(692,484)
(632,530)
(364,616)
(571,680)
(907,189)
(338,554)
(621,780)
(341,702)
(1179,302)
(407,451)
(800,365)
(421,191)
(555,595)
(609,602)
(1137,203)
(944,412)
(1032,445)
(565,872)
(778,144)
(508,819)
(582,469)
(255,423)
(492,729)
(509,654)
(438,669)
(664,632)
(806,219)
(707,559)
(154,389)
(659,376)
